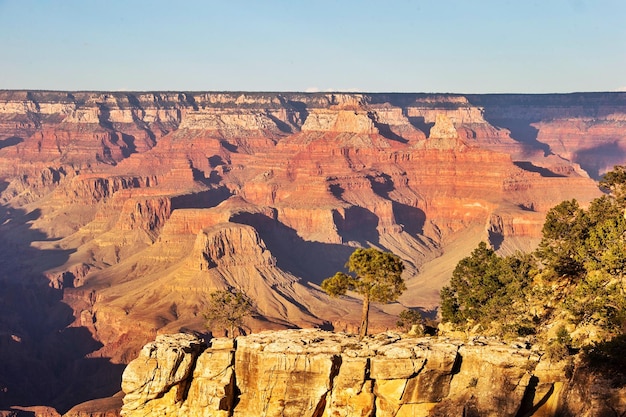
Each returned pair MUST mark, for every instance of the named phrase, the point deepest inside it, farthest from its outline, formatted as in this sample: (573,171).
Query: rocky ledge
(317,373)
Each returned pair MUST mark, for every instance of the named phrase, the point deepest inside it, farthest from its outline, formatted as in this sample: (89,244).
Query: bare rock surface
(166,363)
(317,373)
(120,212)
(34,411)
(103,407)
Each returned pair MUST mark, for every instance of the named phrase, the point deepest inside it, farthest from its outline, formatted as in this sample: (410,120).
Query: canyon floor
(121,212)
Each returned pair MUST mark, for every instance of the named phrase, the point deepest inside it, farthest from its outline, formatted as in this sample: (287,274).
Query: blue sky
(461,46)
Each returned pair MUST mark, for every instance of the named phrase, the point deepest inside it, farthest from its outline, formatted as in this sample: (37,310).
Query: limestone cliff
(121,211)
(316,373)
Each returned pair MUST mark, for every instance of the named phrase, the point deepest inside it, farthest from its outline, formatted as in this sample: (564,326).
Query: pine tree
(375,275)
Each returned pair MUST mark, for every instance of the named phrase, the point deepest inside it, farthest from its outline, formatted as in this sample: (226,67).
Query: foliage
(228,309)
(598,300)
(577,274)
(605,247)
(563,337)
(598,297)
(559,347)
(374,275)
(564,232)
(556,351)
(609,356)
(614,182)
(408,318)
(481,284)
(449,306)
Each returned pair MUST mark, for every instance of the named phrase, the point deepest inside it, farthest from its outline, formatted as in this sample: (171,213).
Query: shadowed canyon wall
(121,212)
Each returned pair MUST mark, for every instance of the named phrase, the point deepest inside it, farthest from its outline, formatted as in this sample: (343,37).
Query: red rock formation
(133,207)
(314,373)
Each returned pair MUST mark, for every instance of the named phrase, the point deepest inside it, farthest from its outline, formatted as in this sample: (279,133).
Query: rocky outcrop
(230,245)
(166,364)
(317,373)
(103,407)
(339,121)
(125,210)
(35,411)
(443,128)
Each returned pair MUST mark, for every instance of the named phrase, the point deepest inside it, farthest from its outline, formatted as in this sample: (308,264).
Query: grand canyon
(122,211)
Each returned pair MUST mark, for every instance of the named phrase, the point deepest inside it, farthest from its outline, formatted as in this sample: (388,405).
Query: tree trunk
(364,317)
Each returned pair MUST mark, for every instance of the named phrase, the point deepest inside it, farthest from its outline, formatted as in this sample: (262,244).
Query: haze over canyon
(121,212)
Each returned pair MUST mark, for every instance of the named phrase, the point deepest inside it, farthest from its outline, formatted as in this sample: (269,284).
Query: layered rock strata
(316,373)
(123,211)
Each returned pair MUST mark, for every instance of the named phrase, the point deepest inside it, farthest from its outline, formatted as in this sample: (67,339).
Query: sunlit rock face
(121,212)
(317,373)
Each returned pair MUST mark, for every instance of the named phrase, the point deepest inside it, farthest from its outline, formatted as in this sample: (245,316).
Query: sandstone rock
(104,407)
(222,245)
(316,373)
(502,369)
(212,389)
(204,388)
(353,392)
(443,128)
(104,196)
(301,382)
(36,411)
(339,121)
(161,372)
(229,123)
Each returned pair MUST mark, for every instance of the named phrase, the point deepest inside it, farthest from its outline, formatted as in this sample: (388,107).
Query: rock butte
(122,211)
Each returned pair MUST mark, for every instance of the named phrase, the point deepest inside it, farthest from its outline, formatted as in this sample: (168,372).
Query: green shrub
(409,318)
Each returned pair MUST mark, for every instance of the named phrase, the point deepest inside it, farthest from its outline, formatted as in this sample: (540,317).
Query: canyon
(319,373)
(121,212)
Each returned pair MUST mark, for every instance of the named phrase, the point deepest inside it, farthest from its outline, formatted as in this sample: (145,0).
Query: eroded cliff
(317,373)
(121,212)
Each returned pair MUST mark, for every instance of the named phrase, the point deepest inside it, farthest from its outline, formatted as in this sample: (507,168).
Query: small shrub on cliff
(375,275)
(409,318)
(482,284)
(563,337)
(614,182)
(609,357)
(559,347)
(228,309)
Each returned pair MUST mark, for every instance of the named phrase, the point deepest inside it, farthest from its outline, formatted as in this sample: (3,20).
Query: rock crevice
(315,373)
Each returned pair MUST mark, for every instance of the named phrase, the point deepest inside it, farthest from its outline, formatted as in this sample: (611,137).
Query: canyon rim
(121,212)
